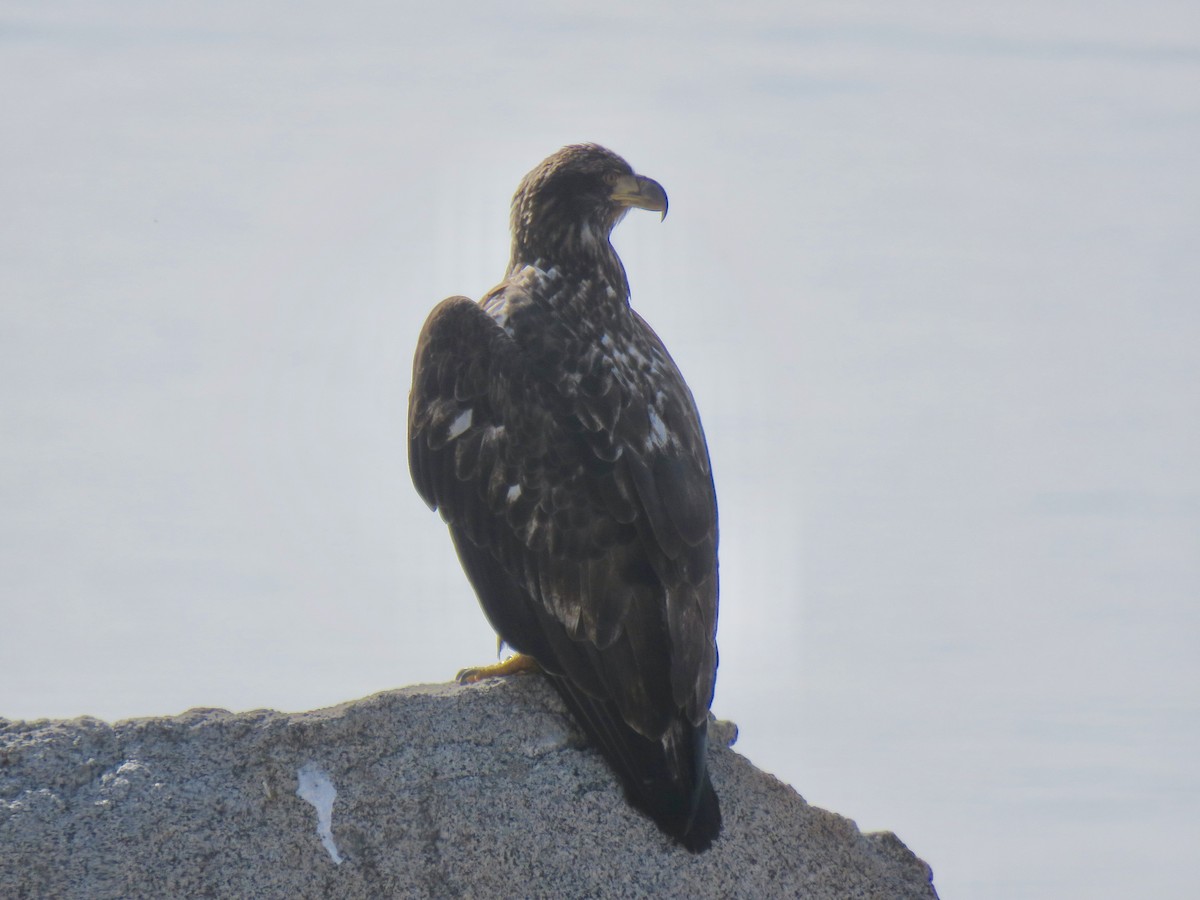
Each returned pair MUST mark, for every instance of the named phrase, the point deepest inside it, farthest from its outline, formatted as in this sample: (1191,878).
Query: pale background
(933,273)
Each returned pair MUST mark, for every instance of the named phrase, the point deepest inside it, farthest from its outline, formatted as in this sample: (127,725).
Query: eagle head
(565,209)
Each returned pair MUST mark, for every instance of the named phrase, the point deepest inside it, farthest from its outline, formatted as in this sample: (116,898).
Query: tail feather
(667,780)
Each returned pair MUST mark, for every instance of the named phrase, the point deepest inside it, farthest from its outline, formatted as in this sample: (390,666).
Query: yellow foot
(517,664)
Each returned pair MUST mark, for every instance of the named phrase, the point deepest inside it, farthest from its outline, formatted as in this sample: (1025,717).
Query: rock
(431,791)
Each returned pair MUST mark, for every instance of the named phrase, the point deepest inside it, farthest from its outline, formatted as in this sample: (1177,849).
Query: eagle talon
(517,664)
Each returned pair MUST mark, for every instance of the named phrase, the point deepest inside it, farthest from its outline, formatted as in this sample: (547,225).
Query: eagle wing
(582,507)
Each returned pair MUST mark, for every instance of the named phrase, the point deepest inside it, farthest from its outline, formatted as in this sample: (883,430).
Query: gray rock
(441,791)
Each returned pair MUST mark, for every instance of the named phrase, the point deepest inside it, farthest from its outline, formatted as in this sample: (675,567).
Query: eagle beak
(639,191)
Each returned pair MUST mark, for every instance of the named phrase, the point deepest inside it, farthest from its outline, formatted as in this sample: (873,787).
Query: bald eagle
(557,438)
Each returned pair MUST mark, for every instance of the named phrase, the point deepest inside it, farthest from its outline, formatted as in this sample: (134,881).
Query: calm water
(932,276)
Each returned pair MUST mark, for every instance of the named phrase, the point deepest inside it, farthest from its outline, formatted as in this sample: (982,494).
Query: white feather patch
(460,424)
(658,436)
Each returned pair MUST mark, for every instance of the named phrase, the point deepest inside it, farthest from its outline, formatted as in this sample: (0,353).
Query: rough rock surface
(441,791)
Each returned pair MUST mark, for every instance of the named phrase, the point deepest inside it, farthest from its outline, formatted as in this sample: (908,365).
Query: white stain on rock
(317,789)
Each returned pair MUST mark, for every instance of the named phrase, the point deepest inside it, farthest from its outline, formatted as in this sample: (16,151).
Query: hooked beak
(639,191)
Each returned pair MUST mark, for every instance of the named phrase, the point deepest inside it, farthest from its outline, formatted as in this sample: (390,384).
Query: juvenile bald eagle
(554,433)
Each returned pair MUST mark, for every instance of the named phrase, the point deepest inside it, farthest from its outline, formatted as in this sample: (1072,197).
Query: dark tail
(667,779)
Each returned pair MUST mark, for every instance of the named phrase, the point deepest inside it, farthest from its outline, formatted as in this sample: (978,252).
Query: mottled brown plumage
(554,433)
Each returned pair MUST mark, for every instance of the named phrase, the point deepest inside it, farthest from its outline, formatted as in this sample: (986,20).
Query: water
(932,275)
